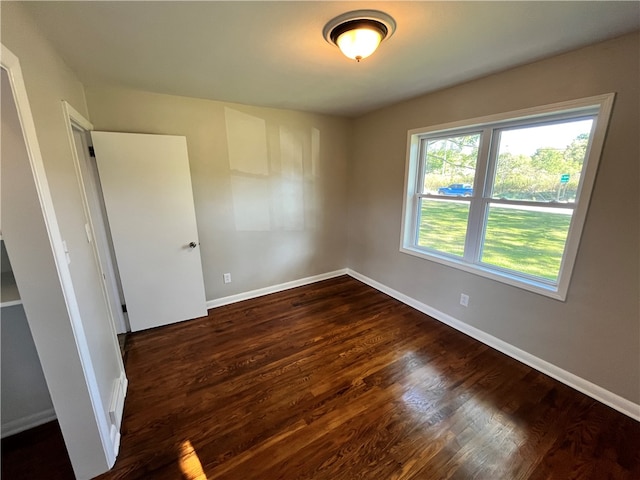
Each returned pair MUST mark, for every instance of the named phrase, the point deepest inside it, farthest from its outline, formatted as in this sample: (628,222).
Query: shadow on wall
(269,167)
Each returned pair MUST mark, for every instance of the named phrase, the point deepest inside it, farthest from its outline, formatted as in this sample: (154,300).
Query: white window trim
(602,103)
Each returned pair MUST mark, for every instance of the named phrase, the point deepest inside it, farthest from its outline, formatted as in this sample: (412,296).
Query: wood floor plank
(38,453)
(338,381)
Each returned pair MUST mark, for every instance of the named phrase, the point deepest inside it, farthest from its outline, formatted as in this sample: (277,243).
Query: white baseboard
(116,411)
(594,391)
(116,405)
(219,302)
(114,435)
(25,423)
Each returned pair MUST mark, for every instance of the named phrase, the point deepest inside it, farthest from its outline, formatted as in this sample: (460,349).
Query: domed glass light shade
(360,39)
(359,33)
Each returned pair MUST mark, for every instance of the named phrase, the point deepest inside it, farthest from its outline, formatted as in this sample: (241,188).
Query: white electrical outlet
(464,300)
(227,278)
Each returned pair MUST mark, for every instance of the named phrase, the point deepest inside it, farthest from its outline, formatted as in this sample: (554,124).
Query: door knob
(193,244)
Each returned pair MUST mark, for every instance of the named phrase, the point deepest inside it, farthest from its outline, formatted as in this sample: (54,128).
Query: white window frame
(599,107)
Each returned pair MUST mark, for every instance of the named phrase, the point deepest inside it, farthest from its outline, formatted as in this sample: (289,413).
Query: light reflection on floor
(477,416)
(190,463)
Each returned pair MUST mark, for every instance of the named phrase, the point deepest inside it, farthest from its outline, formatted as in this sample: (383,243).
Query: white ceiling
(273,53)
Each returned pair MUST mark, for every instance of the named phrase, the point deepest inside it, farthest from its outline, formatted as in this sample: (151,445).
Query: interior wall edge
(50,304)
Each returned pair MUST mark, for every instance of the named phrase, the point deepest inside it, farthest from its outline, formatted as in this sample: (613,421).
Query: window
(506,196)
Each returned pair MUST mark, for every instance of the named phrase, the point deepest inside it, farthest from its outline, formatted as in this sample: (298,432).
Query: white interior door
(146,185)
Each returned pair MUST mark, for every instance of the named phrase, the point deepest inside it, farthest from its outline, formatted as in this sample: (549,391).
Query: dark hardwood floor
(338,381)
(36,454)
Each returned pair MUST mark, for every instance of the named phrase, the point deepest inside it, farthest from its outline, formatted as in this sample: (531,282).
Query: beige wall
(595,334)
(269,185)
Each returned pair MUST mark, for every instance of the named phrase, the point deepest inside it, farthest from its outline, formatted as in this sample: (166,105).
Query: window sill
(541,288)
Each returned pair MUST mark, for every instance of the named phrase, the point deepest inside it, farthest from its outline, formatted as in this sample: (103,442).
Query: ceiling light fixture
(359,33)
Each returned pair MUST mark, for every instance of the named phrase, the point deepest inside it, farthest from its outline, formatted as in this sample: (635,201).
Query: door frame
(75,121)
(90,443)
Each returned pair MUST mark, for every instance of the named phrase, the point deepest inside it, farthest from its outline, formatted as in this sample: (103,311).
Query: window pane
(542,163)
(443,225)
(530,240)
(450,165)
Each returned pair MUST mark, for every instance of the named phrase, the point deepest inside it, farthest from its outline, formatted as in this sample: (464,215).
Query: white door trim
(77,121)
(11,64)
